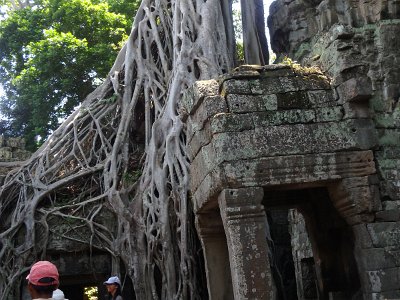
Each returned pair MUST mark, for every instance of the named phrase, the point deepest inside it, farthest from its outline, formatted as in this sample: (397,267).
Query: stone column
(244,221)
(216,256)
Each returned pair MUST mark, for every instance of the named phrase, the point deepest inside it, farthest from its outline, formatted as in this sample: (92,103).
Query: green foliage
(110,100)
(298,68)
(131,177)
(91,292)
(237,27)
(240,52)
(52,54)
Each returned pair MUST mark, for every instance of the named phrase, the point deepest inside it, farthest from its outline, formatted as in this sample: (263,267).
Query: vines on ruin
(121,156)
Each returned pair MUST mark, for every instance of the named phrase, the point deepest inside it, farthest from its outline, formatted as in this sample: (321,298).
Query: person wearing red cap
(43,279)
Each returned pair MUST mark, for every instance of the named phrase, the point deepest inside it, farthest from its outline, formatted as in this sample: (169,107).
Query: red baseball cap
(43,269)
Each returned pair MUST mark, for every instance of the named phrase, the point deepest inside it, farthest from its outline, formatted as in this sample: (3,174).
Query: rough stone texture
(293,127)
(12,154)
(244,222)
(240,133)
(357,44)
(302,257)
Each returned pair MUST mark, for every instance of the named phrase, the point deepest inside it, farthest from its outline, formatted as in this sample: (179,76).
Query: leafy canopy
(53,53)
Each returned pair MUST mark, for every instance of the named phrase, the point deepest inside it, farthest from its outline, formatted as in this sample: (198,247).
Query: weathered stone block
(329,114)
(362,236)
(16,142)
(297,168)
(231,122)
(308,82)
(205,195)
(350,134)
(384,234)
(211,106)
(389,137)
(198,140)
(322,98)
(243,87)
(295,139)
(388,120)
(194,95)
(20,154)
(389,30)
(391,215)
(293,100)
(244,103)
(270,102)
(390,204)
(374,259)
(390,189)
(386,295)
(355,196)
(277,70)
(355,89)
(356,110)
(204,162)
(295,116)
(5,153)
(384,280)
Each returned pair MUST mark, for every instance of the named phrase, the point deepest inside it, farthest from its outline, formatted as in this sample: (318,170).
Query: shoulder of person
(119,298)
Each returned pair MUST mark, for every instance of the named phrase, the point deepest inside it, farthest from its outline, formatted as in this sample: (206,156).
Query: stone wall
(356,43)
(278,137)
(12,154)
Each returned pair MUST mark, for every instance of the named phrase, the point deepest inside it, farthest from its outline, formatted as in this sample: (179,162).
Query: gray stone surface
(273,128)
(12,155)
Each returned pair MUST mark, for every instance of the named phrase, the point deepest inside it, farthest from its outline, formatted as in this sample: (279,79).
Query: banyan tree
(122,154)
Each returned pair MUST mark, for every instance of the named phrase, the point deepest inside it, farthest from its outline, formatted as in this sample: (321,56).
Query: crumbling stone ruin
(320,152)
(12,154)
(294,167)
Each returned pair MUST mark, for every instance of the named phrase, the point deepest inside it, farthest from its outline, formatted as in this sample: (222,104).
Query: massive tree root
(122,155)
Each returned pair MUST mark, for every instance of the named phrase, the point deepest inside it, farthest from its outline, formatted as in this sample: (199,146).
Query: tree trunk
(254,40)
(123,153)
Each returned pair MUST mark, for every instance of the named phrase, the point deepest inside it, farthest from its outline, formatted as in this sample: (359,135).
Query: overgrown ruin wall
(63,246)
(340,133)
(357,43)
(12,154)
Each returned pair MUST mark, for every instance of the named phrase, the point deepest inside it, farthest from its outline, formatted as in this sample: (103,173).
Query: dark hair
(117,292)
(46,289)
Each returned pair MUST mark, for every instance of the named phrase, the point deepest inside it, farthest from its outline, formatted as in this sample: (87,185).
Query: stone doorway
(307,230)
(73,286)
(270,138)
(306,248)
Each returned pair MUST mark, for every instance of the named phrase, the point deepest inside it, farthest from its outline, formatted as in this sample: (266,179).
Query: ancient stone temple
(295,177)
(295,180)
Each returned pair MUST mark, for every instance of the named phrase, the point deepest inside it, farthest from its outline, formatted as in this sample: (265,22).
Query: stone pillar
(216,256)
(244,221)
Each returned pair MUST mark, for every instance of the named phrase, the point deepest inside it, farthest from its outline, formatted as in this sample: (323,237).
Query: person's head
(113,285)
(43,279)
(58,295)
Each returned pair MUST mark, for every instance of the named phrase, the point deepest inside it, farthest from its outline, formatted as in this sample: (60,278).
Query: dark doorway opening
(74,287)
(330,271)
